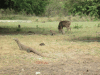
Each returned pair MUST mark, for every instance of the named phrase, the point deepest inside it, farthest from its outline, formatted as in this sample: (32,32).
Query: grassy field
(82,41)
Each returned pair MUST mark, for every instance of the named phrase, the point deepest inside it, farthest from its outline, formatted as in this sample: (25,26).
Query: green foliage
(29,6)
(83,7)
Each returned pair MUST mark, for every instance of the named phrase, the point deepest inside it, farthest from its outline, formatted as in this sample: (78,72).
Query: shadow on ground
(23,31)
(86,39)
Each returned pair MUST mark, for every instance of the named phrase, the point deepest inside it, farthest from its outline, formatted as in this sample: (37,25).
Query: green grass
(77,41)
(79,30)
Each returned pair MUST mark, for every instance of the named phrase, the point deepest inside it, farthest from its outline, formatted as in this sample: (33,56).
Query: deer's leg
(67,29)
(63,32)
(70,28)
(60,29)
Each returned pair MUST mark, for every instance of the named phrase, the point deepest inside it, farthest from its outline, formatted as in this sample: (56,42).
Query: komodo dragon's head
(15,39)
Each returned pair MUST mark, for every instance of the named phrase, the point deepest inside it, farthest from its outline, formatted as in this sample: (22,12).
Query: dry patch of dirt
(82,65)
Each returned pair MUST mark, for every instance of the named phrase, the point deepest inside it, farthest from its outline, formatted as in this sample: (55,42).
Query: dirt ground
(79,65)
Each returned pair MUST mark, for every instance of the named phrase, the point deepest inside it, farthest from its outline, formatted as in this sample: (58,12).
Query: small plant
(37,20)
(98,25)
(77,26)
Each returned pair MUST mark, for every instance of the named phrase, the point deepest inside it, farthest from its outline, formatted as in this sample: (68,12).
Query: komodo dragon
(28,49)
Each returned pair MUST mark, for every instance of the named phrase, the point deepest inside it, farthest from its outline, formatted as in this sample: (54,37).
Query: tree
(29,6)
(83,7)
